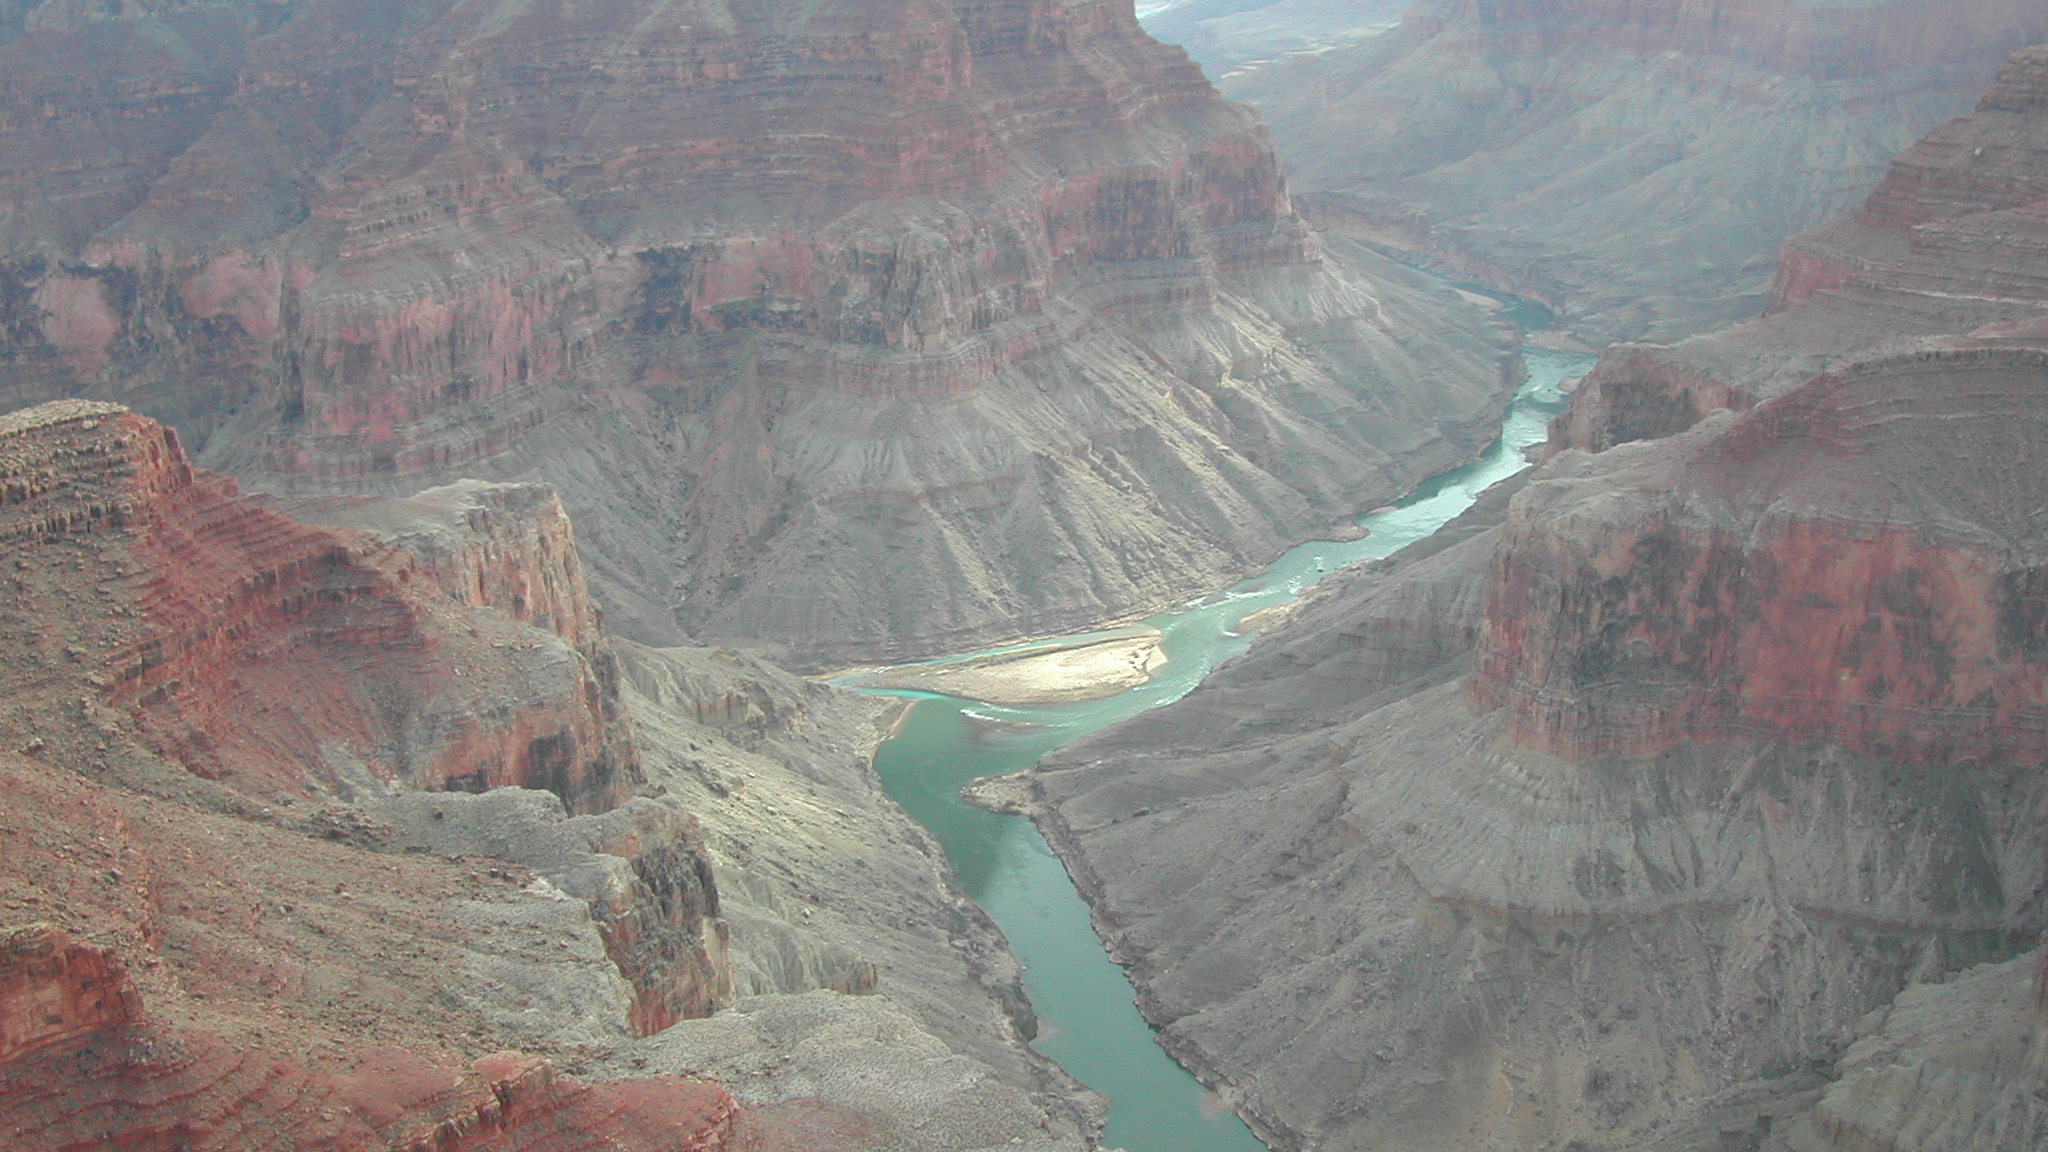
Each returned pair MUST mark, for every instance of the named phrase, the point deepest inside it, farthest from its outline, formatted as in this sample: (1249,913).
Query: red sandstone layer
(93,1072)
(680,264)
(497,200)
(1851,562)
(456,650)
(186,669)
(252,648)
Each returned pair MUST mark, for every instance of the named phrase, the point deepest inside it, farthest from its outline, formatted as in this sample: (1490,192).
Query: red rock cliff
(452,649)
(724,280)
(269,652)
(1852,562)
(54,989)
(92,1071)
(185,669)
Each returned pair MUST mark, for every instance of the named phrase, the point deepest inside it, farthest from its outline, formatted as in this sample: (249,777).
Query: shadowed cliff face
(1632,166)
(806,310)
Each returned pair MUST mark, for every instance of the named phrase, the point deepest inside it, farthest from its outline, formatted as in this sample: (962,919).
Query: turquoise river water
(1087,1020)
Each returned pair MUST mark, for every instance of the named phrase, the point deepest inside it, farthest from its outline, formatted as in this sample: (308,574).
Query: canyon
(1685,792)
(808,314)
(432,431)
(354,832)
(1633,167)
(1944,255)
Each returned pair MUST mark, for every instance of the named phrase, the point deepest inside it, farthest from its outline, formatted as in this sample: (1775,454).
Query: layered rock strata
(1949,248)
(255,985)
(1631,166)
(1951,1066)
(874,329)
(194,685)
(1609,826)
(121,1079)
(249,646)
(299,947)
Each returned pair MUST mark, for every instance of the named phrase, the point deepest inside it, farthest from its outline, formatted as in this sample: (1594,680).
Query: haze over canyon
(445,445)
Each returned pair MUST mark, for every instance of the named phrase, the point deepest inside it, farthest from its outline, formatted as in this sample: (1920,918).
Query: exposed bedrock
(154,608)
(1950,246)
(878,329)
(114,1077)
(829,888)
(252,647)
(1855,561)
(1609,820)
(1632,166)
(267,927)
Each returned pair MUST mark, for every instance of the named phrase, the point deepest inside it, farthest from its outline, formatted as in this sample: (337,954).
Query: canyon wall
(322,833)
(250,646)
(195,684)
(878,330)
(1743,738)
(1844,563)
(1946,250)
(1630,166)
(1683,796)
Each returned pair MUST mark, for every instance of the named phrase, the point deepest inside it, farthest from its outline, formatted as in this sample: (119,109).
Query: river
(1087,1020)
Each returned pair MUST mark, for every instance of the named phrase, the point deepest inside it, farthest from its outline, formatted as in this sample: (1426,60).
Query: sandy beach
(1086,669)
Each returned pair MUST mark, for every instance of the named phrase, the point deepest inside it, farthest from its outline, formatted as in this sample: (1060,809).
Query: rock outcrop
(1670,801)
(249,646)
(114,1078)
(1947,1067)
(1631,166)
(1751,741)
(879,330)
(284,911)
(1852,562)
(54,989)
(1947,249)
(196,686)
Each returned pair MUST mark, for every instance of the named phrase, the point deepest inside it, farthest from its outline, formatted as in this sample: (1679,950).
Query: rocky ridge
(262,899)
(1683,796)
(996,311)
(1945,253)
(1633,167)
(1380,911)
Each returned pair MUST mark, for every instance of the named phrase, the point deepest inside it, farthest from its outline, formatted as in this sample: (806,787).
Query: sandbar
(1089,668)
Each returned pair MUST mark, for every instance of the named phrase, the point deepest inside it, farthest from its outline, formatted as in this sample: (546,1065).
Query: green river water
(1087,1020)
